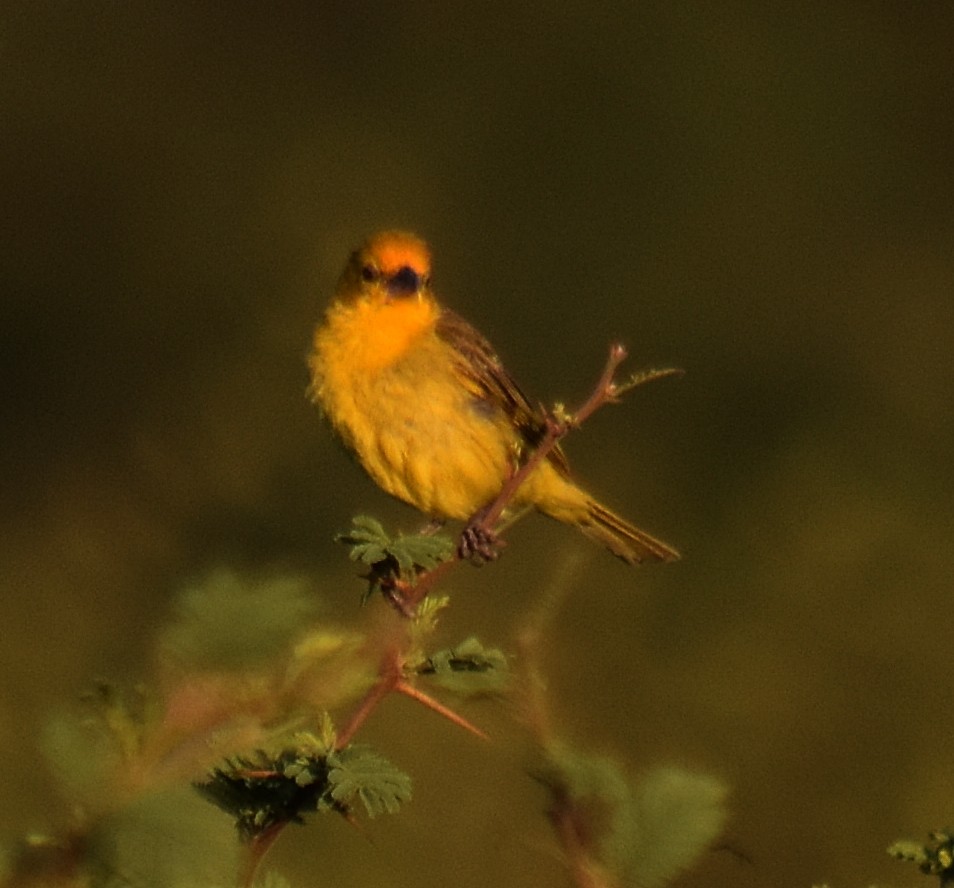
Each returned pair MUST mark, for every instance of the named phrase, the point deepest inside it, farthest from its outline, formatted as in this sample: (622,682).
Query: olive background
(758,193)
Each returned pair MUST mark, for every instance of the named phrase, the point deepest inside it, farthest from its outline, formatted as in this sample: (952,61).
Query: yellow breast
(393,390)
(368,336)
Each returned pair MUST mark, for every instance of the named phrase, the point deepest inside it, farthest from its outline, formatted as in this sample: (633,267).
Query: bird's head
(390,265)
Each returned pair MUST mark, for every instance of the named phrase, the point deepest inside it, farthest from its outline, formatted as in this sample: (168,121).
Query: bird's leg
(479,542)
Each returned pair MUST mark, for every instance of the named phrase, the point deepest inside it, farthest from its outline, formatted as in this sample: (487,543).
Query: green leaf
(90,749)
(935,858)
(358,773)
(370,544)
(469,668)
(230,622)
(641,377)
(368,540)
(166,839)
(421,551)
(393,558)
(671,817)
(644,834)
(327,737)
(258,793)
(264,791)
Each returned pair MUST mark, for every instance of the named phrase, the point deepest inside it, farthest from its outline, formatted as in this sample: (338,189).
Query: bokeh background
(758,193)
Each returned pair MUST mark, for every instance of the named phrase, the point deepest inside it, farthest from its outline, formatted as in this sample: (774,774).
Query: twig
(256,850)
(391,680)
(565,816)
(406,688)
(389,675)
(481,527)
(557,429)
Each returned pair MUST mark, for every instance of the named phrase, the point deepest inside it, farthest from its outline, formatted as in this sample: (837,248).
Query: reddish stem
(389,676)
(406,598)
(257,849)
(404,687)
(557,429)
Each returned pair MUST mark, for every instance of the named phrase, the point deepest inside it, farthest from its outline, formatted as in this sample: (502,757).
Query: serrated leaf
(264,791)
(906,849)
(165,839)
(468,668)
(391,560)
(421,550)
(367,538)
(357,773)
(644,834)
(368,529)
(368,553)
(935,858)
(327,737)
(230,622)
(300,772)
(591,779)
(370,544)
(672,817)
(428,611)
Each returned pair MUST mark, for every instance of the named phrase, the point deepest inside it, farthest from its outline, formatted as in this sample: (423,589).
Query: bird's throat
(373,335)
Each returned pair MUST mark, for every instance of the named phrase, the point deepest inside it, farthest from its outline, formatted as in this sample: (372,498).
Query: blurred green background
(758,193)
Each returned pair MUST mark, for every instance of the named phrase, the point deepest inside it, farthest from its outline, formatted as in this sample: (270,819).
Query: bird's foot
(479,544)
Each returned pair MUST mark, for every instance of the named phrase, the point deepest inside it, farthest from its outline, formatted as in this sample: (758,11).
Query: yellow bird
(430,412)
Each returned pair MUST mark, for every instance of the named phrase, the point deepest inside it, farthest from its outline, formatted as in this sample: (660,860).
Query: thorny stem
(607,391)
(568,824)
(389,676)
(557,429)
(405,598)
(391,680)
(585,873)
(404,687)
(256,851)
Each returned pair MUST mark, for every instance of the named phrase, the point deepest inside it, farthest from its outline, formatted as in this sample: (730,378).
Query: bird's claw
(479,544)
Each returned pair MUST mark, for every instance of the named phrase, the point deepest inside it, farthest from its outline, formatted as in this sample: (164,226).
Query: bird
(421,399)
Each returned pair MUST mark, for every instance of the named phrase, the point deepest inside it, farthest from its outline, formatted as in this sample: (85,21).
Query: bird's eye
(369,273)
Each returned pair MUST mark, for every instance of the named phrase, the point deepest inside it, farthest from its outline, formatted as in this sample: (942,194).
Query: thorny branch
(479,539)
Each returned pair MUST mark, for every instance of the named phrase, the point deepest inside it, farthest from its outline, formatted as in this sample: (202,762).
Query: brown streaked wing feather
(480,364)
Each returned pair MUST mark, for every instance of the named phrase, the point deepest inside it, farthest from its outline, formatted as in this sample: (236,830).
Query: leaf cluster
(635,834)
(935,858)
(393,559)
(263,791)
(469,668)
(228,622)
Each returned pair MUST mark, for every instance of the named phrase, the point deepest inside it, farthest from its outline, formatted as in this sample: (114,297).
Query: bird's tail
(621,538)
(557,496)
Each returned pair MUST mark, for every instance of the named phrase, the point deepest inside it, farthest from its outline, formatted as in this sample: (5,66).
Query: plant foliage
(469,669)
(638,835)
(935,858)
(265,791)
(391,559)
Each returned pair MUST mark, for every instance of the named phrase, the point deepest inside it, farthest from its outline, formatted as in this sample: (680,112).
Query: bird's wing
(483,370)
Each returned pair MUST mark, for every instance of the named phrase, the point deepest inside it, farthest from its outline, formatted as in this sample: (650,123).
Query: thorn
(255,774)
(403,687)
